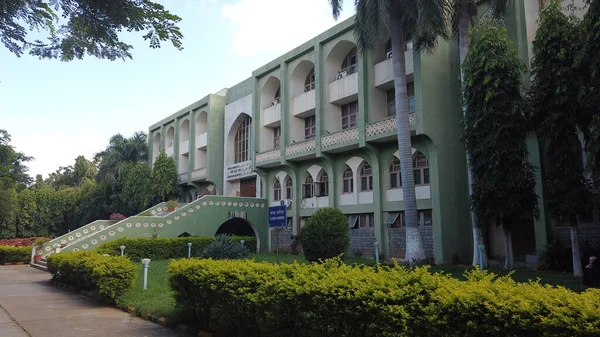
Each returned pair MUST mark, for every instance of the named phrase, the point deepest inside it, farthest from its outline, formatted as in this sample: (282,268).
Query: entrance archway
(239,227)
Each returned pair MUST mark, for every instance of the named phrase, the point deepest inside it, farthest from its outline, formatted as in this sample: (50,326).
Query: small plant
(146,213)
(224,248)
(117,216)
(326,235)
(40,241)
(171,204)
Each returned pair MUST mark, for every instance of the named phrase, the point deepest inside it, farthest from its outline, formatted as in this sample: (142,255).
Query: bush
(146,213)
(109,276)
(224,248)
(20,242)
(117,216)
(333,299)
(10,254)
(40,241)
(172,203)
(165,248)
(326,234)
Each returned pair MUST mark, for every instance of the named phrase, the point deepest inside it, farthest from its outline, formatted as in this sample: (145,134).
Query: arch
(336,57)
(305,70)
(347,179)
(276,190)
(184,130)
(201,123)
(240,139)
(155,146)
(322,184)
(239,227)
(268,94)
(170,137)
(366,177)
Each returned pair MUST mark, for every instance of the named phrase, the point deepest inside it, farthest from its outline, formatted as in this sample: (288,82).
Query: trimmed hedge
(10,254)
(333,299)
(110,276)
(163,249)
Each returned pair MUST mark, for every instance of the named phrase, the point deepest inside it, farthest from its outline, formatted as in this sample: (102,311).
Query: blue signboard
(277,216)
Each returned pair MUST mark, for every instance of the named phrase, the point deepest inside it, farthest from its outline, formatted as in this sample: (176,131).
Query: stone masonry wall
(397,241)
(361,242)
(285,240)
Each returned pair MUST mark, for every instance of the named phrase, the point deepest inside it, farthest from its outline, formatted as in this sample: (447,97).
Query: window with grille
(421,169)
(307,190)
(276,190)
(310,128)
(241,141)
(309,83)
(347,180)
(356,221)
(349,63)
(276,137)
(349,115)
(395,175)
(366,178)
(322,186)
(289,187)
(391,99)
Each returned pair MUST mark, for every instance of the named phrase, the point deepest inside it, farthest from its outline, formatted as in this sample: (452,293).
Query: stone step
(42,263)
(39,267)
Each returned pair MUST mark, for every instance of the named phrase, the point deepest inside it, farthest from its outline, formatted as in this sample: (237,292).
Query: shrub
(146,213)
(19,242)
(223,247)
(10,254)
(326,234)
(108,275)
(333,299)
(40,241)
(164,248)
(172,203)
(117,216)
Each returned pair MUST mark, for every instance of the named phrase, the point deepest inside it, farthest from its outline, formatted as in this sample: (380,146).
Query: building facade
(316,128)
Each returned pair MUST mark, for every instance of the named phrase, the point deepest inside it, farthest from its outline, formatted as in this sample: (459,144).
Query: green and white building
(316,128)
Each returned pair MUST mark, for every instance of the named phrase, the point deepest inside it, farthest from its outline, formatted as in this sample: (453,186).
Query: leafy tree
(88,27)
(24,224)
(495,131)
(557,114)
(376,21)
(83,170)
(121,150)
(325,235)
(166,178)
(138,188)
(464,13)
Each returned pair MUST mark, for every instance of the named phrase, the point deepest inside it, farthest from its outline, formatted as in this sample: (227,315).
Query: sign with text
(277,216)
(239,170)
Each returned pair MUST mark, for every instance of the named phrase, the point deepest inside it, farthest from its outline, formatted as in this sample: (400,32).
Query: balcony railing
(343,88)
(201,141)
(199,173)
(183,176)
(301,147)
(387,125)
(169,151)
(341,137)
(271,115)
(184,147)
(303,103)
(267,156)
(384,73)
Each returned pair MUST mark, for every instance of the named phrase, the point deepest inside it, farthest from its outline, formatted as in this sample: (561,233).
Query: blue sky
(56,111)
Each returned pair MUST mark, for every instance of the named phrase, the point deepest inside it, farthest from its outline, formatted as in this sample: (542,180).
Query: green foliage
(40,241)
(166,178)
(146,213)
(138,189)
(325,235)
(224,247)
(118,153)
(10,254)
(110,276)
(496,130)
(557,113)
(381,301)
(172,203)
(88,27)
(162,249)
(13,178)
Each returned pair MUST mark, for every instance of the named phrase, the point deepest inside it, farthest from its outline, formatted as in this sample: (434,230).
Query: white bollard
(122,248)
(146,263)
(376,244)
(189,249)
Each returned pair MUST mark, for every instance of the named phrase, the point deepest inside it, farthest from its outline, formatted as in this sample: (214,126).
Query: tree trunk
(464,26)
(508,259)
(577,270)
(414,246)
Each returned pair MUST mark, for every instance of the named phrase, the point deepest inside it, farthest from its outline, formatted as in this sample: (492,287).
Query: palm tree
(375,21)
(121,150)
(464,13)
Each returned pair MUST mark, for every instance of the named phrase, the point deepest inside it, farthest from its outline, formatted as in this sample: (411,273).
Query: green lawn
(158,298)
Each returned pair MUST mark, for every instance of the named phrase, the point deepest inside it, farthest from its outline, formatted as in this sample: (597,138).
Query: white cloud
(278,25)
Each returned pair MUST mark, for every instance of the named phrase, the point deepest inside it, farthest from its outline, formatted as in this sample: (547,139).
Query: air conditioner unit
(287,203)
(389,55)
(342,74)
(274,102)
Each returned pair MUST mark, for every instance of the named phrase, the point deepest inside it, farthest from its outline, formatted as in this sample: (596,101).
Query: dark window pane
(417,177)
(426,176)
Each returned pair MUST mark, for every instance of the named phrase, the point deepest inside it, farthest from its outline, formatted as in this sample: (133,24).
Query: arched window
(347,180)
(308,187)
(289,187)
(309,83)
(277,97)
(349,63)
(241,142)
(322,186)
(421,169)
(366,178)
(395,175)
(276,190)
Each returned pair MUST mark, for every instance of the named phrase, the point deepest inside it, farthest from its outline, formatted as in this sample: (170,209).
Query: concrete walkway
(31,307)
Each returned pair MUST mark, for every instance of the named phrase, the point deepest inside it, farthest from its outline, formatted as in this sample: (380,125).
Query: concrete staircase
(40,265)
